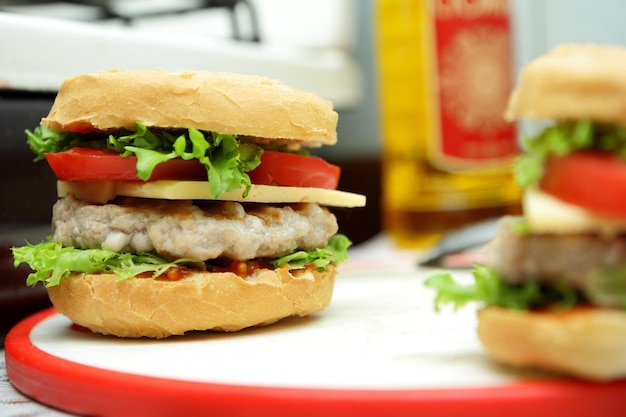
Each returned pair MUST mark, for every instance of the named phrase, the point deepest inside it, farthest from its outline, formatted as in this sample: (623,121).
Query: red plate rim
(86,390)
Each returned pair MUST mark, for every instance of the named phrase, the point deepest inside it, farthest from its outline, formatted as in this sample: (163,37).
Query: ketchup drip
(243,268)
(239,268)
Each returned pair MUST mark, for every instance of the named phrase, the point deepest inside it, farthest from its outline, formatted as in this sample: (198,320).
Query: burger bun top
(573,82)
(211,101)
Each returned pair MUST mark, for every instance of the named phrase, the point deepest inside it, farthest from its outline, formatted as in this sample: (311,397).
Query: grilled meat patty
(182,229)
(551,258)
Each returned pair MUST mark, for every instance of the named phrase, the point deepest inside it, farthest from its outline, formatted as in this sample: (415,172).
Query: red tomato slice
(277,168)
(86,164)
(595,181)
(292,170)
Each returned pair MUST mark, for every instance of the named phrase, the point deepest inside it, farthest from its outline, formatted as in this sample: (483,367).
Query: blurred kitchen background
(323,46)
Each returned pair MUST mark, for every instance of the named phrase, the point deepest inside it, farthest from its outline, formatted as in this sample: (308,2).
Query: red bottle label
(474,63)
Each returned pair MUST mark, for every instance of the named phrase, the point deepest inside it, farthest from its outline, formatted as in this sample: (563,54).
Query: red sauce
(175,273)
(79,328)
(243,268)
(239,268)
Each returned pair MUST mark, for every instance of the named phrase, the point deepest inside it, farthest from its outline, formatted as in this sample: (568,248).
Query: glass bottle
(445,72)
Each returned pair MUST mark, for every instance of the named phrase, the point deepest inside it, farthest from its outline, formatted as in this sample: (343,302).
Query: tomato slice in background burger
(595,181)
(276,168)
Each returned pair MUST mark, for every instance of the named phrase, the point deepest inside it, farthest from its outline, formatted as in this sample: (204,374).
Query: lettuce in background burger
(186,202)
(553,288)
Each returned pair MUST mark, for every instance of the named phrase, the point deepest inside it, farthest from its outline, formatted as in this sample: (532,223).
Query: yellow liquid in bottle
(422,199)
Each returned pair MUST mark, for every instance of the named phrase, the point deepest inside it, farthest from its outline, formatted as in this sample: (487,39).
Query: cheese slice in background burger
(186,202)
(553,288)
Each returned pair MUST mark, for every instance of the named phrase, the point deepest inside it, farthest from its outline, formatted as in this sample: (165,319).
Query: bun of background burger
(571,83)
(222,259)
(554,286)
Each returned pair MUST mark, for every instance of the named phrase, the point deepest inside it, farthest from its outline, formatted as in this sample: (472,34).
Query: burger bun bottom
(585,342)
(146,307)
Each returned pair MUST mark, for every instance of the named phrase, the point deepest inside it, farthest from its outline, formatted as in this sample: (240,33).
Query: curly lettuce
(226,158)
(336,251)
(563,138)
(489,289)
(43,140)
(51,262)
(604,287)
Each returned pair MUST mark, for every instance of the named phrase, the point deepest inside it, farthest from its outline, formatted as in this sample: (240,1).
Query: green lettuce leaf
(489,289)
(51,261)
(335,252)
(43,140)
(606,287)
(563,138)
(226,158)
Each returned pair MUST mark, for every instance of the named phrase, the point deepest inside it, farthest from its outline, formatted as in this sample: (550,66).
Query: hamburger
(187,202)
(552,290)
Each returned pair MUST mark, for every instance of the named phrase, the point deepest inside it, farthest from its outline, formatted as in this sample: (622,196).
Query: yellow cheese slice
(101,192)
(547,214)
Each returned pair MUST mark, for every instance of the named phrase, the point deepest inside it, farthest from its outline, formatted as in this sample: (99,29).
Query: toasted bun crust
(586,342)
(219,102)
(143,307)
(571,82)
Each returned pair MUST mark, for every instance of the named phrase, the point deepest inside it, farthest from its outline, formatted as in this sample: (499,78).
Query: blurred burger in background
(553,288)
